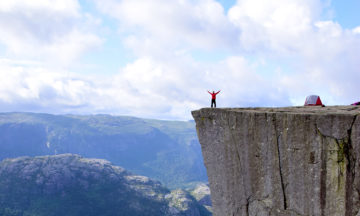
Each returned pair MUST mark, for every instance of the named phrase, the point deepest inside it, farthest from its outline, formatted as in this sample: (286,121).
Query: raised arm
(218,92)
(209,92)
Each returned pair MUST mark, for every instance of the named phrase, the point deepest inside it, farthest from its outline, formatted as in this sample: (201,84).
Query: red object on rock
(313,100)
(213,95)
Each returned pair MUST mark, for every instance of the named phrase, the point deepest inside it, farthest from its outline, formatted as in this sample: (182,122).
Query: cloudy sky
(158,58)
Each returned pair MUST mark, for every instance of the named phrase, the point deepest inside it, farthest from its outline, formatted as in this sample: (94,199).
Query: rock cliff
(282,161)
(71,185)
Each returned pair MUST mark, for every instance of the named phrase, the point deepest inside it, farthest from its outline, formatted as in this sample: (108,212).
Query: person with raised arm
(213,98)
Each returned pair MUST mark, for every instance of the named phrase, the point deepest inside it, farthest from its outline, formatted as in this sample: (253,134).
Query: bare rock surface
(69,184)
(202,194)
(282,161)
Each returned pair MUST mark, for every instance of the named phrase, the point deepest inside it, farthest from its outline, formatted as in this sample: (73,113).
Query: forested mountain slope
(164,150)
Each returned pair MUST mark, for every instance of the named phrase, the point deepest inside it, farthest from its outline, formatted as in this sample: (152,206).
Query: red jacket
(213,95)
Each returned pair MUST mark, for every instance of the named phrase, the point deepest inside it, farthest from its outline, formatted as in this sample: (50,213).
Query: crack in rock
(280,164)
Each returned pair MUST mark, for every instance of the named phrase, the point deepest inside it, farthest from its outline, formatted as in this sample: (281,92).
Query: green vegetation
(168,151)
(74,186)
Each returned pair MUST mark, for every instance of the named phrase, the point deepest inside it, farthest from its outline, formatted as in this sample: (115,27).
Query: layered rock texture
(282,161)
(71,185)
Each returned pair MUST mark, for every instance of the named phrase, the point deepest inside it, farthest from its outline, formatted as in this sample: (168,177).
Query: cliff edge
(282,161)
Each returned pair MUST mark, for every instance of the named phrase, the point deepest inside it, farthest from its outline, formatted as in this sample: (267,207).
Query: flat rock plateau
(282,161)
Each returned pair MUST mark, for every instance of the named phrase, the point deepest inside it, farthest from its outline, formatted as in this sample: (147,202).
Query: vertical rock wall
(282,161)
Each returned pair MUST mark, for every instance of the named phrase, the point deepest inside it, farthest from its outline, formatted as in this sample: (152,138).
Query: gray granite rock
(202,194)
(282,161)
(28,181)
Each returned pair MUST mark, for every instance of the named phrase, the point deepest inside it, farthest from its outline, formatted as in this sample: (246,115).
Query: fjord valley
(167,151)
(100,165)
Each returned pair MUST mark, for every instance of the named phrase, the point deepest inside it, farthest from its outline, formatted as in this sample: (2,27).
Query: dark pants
(213,101)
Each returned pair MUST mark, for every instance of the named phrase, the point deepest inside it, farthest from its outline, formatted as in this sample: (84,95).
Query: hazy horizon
(156,59)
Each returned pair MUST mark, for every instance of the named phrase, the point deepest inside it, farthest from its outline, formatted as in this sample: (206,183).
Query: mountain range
(71,185)
(167,151)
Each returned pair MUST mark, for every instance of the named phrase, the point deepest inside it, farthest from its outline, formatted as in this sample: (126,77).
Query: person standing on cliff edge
(213,98)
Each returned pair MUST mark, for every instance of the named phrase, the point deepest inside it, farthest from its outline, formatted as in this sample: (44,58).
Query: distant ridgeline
(75,186)
(168,151)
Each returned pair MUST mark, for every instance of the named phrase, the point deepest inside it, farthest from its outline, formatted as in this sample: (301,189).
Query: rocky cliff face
(282,161)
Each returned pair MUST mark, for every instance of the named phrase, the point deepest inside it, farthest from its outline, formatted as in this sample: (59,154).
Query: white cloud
(319,56)
(196,24)
(28,86)
(276,53)
(64,6)
(275,26)
(174,87)
(33,84)
(145,88)
(54,31)
(356,30)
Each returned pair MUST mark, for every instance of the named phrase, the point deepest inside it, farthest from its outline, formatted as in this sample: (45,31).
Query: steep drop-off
(282,161)
(164,150)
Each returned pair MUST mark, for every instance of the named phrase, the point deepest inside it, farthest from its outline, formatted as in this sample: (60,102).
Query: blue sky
(157,58)
(346,12)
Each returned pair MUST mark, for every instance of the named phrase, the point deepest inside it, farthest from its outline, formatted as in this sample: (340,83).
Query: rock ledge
(282,161)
